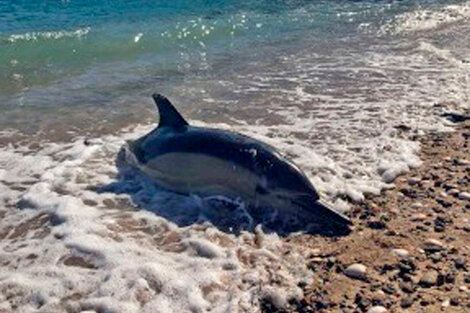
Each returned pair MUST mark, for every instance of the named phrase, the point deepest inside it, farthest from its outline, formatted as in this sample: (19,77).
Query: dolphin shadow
(228,215)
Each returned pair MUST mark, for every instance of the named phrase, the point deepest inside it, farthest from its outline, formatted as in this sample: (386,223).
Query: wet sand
(409,250)
(412,242)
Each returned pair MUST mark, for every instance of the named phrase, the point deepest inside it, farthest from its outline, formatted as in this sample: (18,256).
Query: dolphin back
(204,161)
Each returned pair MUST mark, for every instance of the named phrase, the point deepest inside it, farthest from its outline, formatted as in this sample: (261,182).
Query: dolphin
(207,162)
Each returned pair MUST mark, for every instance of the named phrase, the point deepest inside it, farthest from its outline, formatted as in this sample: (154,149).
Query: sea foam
(76,248)
(423,19)
(33,36)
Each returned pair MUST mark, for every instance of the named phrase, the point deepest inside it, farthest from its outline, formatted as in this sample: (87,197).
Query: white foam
(33,36)
(125,260)
(335,116)
(423,19)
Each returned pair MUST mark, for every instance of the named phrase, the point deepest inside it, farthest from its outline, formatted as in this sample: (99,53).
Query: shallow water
(328,83)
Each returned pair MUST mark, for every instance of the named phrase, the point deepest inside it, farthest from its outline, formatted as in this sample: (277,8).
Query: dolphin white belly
(196,160)
(202,174)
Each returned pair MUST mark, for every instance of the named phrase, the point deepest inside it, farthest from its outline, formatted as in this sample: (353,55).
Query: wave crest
(33,36)
(427,19)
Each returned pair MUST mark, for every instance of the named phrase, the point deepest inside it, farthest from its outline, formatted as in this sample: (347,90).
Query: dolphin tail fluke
(169,116)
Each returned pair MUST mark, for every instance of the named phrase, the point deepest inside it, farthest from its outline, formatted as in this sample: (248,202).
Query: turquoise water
(103,58)
(44,41)
(342,88)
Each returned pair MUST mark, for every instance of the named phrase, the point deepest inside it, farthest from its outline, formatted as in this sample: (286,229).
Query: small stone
(436,257)
(406,266)
(453,191)
(466,278)
(362,302)
(444,203)
(464,195)
(407,287)
(462,162)
(407,277)
(416,205)
(418,217)
(389,289)
(445,303)
(356,270)
(463,288)
(321,304)
(439,228)
(401,253)
(460,263)
(377,309)
(454,301)
(429,279)
(407,302)
(441,279)
(376,224)
(432,245)
(450,278)
(413,180)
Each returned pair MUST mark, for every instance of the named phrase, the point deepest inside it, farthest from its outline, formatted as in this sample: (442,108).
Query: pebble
(464,195)
(454,301)
(407,287)
(416,205)
(433,245)
(377,309)
(429,279)
(389,289)
(407,302)
(402,253)
(453,191)
(356,271)
(418,217)
(414,180)
(463,162)
(460,263)
(445,303)
(466,278)
(376,224)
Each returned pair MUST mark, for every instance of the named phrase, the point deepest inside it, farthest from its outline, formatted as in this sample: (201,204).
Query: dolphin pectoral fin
(169,116)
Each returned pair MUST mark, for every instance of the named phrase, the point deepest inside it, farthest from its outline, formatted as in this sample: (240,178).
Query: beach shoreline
(355,93)
(408,248)
(411,242)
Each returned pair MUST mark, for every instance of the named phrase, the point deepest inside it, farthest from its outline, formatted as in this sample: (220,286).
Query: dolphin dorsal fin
(169,116)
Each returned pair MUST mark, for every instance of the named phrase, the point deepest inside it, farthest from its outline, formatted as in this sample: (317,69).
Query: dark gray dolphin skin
(207,162)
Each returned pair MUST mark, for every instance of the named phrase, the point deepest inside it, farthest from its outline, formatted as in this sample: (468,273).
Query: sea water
(343,88)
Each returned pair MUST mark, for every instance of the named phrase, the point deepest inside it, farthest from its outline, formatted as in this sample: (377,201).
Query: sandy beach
(408,251)
(412,242)
(352,93)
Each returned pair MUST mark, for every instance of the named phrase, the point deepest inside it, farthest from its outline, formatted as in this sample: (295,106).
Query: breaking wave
(48,35)
(427,19)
